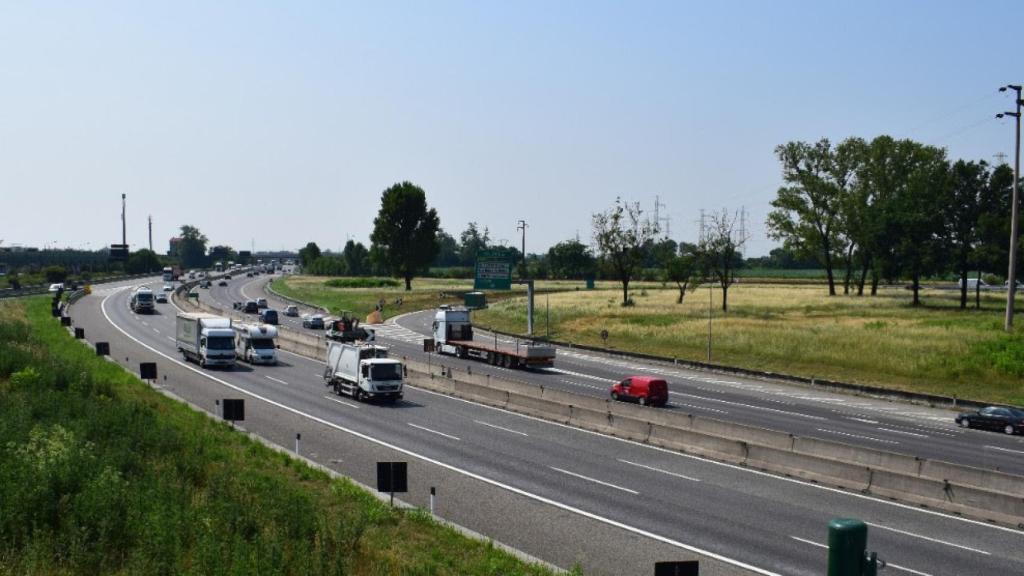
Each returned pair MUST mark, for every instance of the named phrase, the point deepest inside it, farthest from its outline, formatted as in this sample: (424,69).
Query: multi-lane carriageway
(557,493)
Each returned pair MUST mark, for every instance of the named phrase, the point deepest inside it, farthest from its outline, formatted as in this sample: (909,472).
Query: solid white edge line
(1005,449)
(731,466)
(677,475)
(276,380)
(936,540)
(341,402)
(425,429)
(594,480)
(501,428)
(446,466)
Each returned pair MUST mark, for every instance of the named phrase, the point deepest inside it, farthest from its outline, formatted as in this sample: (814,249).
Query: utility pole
(150,232)
(124,223)
(1011,289)
(743,229)
(522,226)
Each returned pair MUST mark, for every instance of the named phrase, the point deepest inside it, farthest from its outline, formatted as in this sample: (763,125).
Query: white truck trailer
(254,343)
(453,334)
(205,339)
(363,371)
(142,301)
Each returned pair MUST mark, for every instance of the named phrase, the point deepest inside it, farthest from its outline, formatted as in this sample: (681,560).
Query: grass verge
(101,474)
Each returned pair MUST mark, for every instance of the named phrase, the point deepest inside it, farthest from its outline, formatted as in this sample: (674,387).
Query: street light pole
(522,226)
(1011,291)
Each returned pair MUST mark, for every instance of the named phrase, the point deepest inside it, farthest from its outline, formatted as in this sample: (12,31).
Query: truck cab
(142,301)
(452,325)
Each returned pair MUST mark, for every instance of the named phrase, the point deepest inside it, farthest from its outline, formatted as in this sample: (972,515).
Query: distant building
(173,249)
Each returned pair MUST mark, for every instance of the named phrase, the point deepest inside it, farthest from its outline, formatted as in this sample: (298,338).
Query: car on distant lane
(291,310)
(644,390)
(161,297)
(999,418)
(222,282)
(314,321)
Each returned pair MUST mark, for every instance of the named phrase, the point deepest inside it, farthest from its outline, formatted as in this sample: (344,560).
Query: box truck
(205,339)
(363,371)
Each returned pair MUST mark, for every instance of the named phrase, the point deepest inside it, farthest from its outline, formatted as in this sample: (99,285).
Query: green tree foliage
(718,252)
(571,259)
(328,265)
(807,211)
(55,274)
(621,235)
(682,269)
(472,241)
(192,247)
(309,254)
(405,232)
(961,215)
(357,258)
(223,254)
(993,253)
(448,254)
(143,261)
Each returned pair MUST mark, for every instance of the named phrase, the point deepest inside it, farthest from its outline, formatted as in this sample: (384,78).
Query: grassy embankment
(800,330)
(101,474)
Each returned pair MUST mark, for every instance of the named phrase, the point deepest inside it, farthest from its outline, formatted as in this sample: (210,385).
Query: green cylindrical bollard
(847,542)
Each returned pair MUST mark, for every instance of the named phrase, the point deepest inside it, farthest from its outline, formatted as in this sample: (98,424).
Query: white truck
(142,301)
(205,339)
(453,334)
(254,343)
(363,371)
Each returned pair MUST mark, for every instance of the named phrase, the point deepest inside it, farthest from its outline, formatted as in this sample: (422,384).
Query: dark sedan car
(1008,420)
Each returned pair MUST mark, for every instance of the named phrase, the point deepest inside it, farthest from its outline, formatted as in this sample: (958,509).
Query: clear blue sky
(283,122)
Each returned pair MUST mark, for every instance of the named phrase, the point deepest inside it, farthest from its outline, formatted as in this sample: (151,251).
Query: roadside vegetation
(799,330)
(101,474)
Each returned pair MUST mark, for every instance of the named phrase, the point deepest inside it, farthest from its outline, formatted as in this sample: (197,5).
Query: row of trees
(890,209)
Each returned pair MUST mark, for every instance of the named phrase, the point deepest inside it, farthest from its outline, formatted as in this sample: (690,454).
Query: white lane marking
(543,499)
(594,480)
(144,323)
(698,407)
(1004,449)
(155,330)
(887,564)
(811,542)
(800,414)
(425,429)
(342,402)
(580,375)
(862,437)
(683,476)
(803,483)
(500,428)
(171,338)
(936,540)
(276,380)
(864,420)
(880,429)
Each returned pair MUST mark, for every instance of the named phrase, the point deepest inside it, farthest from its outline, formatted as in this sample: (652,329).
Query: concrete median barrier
(877,459)
(491,396)
(731,451)
(541,408)
(965,476)
(749,434)
(833,472)
(994,506)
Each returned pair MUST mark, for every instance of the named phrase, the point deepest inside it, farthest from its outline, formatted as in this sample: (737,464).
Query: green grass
(800,330)
(101,474)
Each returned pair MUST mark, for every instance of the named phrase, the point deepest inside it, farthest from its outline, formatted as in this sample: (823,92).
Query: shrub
(362,283)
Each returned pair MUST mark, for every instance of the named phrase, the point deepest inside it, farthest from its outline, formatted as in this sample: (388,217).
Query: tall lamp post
(1011,289)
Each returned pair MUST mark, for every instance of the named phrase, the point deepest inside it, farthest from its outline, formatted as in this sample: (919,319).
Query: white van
(973,284)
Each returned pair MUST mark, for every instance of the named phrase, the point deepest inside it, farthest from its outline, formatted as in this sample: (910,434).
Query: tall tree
(448,254)
(719,251)
(570,259)
(993,251)
(405,231)
(309,254)
(682,269)
(806,215)
(621,235)
(192,247)
(143,261)
(471,242)
(357,258)
(961,211)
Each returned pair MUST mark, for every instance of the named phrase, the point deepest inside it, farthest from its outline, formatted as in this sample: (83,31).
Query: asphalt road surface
(560,494)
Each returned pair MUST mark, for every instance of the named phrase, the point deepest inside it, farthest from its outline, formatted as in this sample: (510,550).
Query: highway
(560,494)
(800,410)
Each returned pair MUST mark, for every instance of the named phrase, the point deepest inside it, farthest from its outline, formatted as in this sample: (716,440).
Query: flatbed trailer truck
(453,334)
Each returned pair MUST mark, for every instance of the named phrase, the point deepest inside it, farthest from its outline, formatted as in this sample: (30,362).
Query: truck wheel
(357,395)
(506,361)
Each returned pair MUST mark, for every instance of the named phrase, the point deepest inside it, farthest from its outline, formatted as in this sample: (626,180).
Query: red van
(646,390)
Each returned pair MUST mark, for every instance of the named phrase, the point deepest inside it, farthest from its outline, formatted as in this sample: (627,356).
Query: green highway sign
(493,270)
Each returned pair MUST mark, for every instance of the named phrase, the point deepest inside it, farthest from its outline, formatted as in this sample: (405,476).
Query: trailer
(205,339)
(363,371)
(453,334)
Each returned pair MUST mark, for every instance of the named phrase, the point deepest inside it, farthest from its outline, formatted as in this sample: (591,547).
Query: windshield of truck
(220,343)
(262,343)
(387,372)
